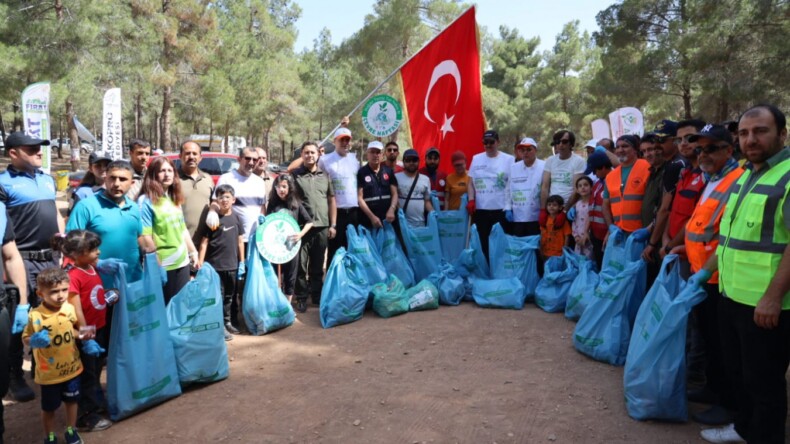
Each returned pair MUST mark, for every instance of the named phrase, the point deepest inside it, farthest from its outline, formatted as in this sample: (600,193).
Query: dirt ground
(455,375)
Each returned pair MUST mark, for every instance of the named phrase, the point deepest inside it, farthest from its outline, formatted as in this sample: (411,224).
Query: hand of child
(40,339)
(261,219)
(92,348)
(20,318)
(212,220)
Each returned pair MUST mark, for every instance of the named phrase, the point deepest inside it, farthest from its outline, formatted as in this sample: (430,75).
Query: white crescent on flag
(445,68)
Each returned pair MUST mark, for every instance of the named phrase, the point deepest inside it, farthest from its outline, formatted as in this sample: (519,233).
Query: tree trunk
(227,135)
(17,125)
(59,10)
(2,126)
(138,116)
(687,102)
(211,134)
(165,122)
(60,138)
(155,129)
(73,136)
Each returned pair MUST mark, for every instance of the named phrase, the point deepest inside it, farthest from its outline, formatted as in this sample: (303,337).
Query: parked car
(215,164)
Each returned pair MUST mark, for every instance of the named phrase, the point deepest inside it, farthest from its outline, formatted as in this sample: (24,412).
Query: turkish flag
(442,91)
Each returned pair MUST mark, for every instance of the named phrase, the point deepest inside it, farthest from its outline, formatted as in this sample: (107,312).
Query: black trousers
(92,398)
(345,217)
(288,275)
(485,221)
(522,229)
(756,360)
(707,317)
(310,267)
(176,279)
(5,339)
(227,285)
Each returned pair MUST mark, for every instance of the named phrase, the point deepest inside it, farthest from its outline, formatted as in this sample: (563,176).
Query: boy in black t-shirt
(223,248)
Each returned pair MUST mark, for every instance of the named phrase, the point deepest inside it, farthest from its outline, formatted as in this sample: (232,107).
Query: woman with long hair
(164,229)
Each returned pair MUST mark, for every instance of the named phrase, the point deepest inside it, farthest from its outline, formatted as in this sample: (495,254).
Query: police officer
(29,196)
(377,189)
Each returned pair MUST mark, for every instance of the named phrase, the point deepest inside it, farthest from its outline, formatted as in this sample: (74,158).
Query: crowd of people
(714,193)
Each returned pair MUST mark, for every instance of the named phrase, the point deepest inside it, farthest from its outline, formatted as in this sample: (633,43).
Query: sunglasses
(392,150)
(489,141)
(679,140)
(411,160)
(563,142)
(251,159)
(709,149)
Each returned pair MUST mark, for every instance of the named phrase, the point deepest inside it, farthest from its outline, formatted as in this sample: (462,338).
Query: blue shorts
(52,395)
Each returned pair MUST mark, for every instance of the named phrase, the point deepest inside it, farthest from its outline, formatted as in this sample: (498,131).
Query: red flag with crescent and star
(442,93)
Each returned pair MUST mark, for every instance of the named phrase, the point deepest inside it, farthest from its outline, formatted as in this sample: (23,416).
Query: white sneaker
(722,435)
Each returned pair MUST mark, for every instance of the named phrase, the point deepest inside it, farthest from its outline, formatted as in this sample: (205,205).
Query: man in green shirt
(196,186)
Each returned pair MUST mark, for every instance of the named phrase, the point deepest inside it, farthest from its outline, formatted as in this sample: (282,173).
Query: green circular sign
(382,115)
(272,237)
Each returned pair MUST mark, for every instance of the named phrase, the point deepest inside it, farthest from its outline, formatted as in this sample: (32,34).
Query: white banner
(83,132)
(626,120)
(600,129)
(35,117)
(112,134)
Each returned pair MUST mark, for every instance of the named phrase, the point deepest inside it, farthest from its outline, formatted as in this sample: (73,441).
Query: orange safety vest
(702,229)
(627,204)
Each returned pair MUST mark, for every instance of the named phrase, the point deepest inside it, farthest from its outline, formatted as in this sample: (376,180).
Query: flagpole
(392,74)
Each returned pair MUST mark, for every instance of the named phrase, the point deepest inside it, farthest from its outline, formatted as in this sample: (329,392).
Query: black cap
(21,139)
(597,160)
(716,132)
(432,150)
(410,153)
(97,157)
(666,128)
(491,134)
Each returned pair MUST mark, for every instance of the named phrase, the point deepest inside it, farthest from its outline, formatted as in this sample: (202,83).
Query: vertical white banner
(35,118)
(600,129)
(627,120)
(112,133)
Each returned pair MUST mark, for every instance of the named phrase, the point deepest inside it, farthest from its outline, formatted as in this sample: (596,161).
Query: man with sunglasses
(391,151)
(414,190)
(701,234)
(562,170)
(377,189)
(490,174)
(29,196)
(342,167)
(753,261)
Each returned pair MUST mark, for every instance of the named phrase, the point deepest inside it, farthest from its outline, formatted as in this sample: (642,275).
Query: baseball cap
(491,134)
(432,150)
(19,138)
(375,145)
(97,157)
(458,155)
(410,153)
(528,141)
(716,132)
(591,143)
(342,132)
(666,128)
(597,160)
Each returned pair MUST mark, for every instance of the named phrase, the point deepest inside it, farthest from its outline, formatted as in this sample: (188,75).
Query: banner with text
(35,117)
(626,120)
(112,133)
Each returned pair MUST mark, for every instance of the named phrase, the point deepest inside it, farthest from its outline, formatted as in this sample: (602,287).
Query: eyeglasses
(225,197)
(250,159)
(489,141)
(709,149)
(563,142)
(392,150)
(411,160)
(679,140)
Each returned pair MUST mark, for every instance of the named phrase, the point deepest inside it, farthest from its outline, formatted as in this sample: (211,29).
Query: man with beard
(196,186)
(342,166)
(414,190)
(377,189)
(139,153)
(625,188)
(438,178)
(262,169)
(391,150)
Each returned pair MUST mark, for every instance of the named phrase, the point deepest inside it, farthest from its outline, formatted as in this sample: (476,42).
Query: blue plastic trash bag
(423,296)
(498,293)
(453,228)
(345,291)
(472,261)
(423,247)
(513,256)
(392,256)
(655,369)
(449,283)
(361,246)
(264,306)
(604,329)
(559,273)
(194,316)
(141,365)
(389,299)
(581,290)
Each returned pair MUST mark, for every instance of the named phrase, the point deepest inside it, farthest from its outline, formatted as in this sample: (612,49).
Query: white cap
(376,145)
(528,141)
(342,132)
(591,143)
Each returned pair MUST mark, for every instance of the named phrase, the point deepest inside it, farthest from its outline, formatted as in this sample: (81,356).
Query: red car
(215,164)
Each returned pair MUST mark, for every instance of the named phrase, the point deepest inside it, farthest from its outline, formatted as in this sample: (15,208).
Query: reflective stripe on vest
(627,209)
(753,236)
(703,226)
(597,223)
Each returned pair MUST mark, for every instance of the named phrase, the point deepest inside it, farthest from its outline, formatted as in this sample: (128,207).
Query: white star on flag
(448,125)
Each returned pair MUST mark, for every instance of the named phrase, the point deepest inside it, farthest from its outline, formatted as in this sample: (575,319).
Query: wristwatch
(667,249)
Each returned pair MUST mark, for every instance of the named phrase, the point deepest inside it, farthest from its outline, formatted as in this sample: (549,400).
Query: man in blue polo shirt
(115,218)
(29,196)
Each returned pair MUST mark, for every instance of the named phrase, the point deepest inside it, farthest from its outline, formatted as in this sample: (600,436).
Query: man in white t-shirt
(524,190)
(489,175)
(562,170)
(419,201)
(249,191)
(342,167)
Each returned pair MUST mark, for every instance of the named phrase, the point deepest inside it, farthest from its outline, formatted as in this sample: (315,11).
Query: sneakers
(722,435)
(51,439)
(301,306)
(716,416)
(228,336)
(231,329)
(92,422)
(72,437)
(19,390)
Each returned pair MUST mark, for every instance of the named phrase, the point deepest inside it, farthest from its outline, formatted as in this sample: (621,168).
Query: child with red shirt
(555,232)
(86,294)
